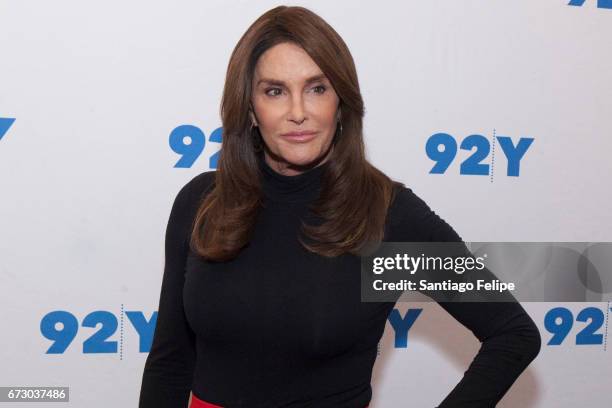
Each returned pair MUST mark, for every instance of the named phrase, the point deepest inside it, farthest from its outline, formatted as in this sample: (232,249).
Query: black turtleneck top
(279,326)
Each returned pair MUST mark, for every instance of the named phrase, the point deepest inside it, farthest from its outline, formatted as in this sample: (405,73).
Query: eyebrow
(278,82)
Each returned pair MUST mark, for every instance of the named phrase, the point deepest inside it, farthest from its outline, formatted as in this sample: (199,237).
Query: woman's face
(291,94)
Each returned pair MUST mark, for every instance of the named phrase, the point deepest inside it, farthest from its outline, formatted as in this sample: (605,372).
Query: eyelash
(318,86)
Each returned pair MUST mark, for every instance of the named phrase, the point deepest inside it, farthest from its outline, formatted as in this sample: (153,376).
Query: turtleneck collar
(303,187)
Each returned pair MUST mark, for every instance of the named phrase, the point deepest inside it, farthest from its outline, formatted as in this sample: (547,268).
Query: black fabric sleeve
(168,370)
(510,339)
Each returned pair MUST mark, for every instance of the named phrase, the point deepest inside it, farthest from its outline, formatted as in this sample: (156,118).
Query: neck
(302,187)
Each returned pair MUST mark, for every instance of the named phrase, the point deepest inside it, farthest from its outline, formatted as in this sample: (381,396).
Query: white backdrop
(88,176)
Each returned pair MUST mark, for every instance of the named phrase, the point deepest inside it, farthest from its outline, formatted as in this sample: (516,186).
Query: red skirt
(198,403)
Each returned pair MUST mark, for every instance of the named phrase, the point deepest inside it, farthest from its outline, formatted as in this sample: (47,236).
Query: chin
(299,158)
(301,162)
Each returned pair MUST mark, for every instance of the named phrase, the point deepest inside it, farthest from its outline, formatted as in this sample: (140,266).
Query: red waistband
(198,403)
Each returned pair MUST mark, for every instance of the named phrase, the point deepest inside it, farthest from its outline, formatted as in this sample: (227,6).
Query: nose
(297,112)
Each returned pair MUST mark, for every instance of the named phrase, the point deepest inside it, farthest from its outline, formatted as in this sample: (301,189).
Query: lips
(300,133)
(303,136)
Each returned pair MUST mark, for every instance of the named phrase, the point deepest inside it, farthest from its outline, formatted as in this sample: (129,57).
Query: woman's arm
(510,339)
(168,371)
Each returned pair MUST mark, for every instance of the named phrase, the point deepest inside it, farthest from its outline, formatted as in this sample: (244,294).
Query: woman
(260,301)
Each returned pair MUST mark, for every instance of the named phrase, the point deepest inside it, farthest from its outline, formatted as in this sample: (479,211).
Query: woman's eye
(321,87)
(273,89)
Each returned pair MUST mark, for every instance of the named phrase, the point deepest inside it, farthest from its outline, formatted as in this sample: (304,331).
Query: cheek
(267,111)
(328,111)
(330,122)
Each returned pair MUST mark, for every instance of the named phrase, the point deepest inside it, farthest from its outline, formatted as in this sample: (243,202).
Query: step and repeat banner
(496,113)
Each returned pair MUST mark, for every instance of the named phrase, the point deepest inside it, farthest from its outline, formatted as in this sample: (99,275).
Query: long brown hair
(355,196)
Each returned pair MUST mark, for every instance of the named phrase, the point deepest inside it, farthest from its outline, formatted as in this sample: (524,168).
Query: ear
(253,119)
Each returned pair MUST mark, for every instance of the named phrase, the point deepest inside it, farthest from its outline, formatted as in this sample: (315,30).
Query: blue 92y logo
(442,148)
(189,142)
(61,327)
(5,124)
(559,321)
(600,3)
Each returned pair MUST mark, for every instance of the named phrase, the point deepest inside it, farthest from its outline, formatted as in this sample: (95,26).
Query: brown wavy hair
(355,196)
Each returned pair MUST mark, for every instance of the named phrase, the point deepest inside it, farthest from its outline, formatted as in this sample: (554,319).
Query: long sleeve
(510,339)
(168,370)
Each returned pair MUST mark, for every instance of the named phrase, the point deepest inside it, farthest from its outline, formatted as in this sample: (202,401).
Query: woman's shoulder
(202,182)
(411,218)
(192,192)
(407,205)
